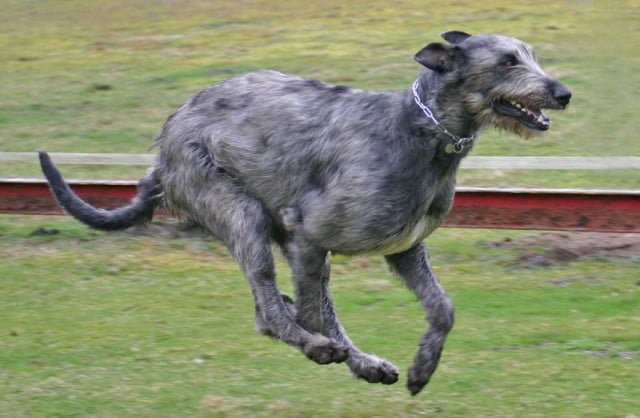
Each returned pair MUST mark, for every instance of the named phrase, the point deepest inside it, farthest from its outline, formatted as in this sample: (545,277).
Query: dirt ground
(536,250)
(550,248)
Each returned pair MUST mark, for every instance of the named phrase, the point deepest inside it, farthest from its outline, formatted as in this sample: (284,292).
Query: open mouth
(530,117)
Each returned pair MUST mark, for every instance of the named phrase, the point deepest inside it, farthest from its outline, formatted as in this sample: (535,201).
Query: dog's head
(496,79)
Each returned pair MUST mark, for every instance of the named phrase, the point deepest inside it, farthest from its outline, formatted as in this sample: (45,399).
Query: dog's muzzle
(531,115)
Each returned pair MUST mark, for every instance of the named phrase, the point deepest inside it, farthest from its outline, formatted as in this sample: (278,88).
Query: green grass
(103,76)
(124,324)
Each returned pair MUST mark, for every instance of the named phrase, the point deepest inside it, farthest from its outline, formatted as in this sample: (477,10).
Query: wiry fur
(316,168)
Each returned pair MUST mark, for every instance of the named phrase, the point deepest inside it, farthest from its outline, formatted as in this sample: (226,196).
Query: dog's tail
(139,211)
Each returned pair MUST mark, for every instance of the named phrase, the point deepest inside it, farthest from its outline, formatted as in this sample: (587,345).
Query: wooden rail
(552,209)
(488,163)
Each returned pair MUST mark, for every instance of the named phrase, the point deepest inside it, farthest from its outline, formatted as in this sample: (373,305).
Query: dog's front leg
(414,267)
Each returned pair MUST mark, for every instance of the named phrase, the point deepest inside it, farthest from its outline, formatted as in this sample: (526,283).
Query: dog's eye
(510,61)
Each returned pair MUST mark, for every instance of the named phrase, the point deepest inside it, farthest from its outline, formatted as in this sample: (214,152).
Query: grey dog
(317,168)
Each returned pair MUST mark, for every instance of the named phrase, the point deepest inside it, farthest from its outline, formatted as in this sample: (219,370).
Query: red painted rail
(551,209)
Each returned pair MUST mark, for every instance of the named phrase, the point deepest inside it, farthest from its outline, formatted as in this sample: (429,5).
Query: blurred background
(103,76)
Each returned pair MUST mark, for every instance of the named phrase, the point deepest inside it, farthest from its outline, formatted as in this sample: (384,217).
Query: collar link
(458,143)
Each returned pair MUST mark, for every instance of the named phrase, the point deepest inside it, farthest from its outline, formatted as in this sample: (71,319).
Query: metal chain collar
(459,143)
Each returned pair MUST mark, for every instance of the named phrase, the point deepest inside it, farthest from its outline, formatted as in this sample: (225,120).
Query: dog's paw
(425,362)
(420,372)
(418,379)
(327,352)
(374,370)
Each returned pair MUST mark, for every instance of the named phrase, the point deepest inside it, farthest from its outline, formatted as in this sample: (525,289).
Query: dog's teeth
(542,120)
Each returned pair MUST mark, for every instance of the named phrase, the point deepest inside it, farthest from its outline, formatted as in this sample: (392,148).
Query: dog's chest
(432,213)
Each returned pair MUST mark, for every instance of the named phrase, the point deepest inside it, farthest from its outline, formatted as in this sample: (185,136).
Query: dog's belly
(385,244)
(410,236)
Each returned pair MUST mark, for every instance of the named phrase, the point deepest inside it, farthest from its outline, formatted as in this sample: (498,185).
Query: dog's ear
(436,56)
(455,36)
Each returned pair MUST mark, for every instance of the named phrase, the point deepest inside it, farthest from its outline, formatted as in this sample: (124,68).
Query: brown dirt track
(550,248)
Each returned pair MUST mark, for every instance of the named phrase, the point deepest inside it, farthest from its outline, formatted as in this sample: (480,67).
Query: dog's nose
(562,95)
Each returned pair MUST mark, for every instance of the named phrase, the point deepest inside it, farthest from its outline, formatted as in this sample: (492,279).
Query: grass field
(161,325)
(125,324)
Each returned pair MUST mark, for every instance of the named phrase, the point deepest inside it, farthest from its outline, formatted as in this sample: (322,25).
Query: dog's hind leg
(316,313)
(414,267)
(242,223)
(363,366)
